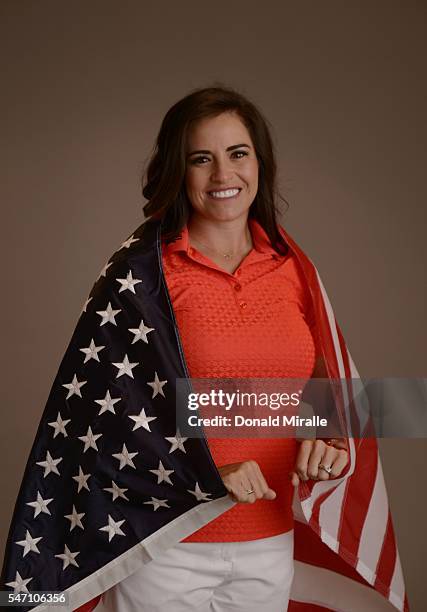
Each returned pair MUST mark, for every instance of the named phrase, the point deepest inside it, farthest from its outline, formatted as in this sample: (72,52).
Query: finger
(315,458)
(329,456)
(301,463)
(260,484)
(294,479)
(339,463)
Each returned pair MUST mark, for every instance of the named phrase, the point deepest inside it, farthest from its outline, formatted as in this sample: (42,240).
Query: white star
(198,493)
(81,479)
(141,332)
(128,283)
(29,544)
(157,503)
(89,439)
(125,458)
(75,519)
(40,505)
(125,367)
(126,244)
(91,351)
(85,305)
(113,528)
(59,426)
(157,386)
(116,491)
(68,557)
(177,442)
(104,269)
(108,315)
(162,474)
(20,584)
(142,420)
(49,464)
(107,403)
(74,387)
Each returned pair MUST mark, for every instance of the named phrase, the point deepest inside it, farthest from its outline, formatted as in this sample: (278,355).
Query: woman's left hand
(318,461)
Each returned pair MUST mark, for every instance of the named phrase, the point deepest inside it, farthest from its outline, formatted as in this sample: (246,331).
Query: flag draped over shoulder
(110,482)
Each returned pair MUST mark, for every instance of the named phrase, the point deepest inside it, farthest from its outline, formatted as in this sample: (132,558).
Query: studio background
(84,89)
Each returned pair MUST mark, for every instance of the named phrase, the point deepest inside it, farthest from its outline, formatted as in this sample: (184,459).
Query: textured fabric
(253,323)
(210,577)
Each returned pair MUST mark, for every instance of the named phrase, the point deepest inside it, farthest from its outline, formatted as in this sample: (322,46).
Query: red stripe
(358,497)
(310,549)
(387,560)
(89,606)
(298,606)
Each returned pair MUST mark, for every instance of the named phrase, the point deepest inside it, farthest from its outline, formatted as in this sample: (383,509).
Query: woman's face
(220,160)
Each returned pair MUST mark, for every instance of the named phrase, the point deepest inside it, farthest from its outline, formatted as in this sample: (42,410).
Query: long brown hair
(163,181)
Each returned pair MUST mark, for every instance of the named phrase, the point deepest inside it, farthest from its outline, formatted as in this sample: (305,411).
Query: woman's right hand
(239,478)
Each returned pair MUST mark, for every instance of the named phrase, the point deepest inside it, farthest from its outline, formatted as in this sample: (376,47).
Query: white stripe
(133,559)
(397,586)
(374,529)
(318,586)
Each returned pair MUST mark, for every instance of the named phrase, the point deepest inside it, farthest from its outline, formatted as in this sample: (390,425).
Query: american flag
(110,482)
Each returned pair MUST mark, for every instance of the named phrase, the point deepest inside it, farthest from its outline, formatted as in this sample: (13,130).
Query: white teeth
(224,194)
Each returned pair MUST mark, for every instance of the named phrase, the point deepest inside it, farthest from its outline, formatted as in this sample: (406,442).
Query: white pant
(210,577)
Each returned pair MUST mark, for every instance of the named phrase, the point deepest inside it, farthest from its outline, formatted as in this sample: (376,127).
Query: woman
(224,293)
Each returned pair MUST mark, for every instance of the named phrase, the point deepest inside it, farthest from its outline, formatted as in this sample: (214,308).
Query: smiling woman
(162,522)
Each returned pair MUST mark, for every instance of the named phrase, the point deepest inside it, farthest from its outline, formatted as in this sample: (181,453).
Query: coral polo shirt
(256,322)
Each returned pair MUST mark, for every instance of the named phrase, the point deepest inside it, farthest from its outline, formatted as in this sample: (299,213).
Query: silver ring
(327,468)
(249,492)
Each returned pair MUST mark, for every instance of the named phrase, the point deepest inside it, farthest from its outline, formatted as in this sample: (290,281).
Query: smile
(228,193)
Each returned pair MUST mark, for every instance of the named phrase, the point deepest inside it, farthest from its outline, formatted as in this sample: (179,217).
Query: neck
(225,237)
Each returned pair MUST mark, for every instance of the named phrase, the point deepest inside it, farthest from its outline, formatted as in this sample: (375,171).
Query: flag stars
(128,283)
(142,420)
(75,519)
(104,269)
(81,480)
(116,491)
(125,367)
(113,528)
(29,544)
(59,426)
(199,494)
(107,404)
(158,503)
(74,387)
(157,386)
(141,332)
(90,439)
(68,558)
(177,442)
(85,305)
(91,352)
(19,585)
(126,244)
(125,458)
(40,505)
(162,474)
(108,315)
(49,464)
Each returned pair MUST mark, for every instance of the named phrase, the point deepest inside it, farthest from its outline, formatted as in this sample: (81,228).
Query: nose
(221,171)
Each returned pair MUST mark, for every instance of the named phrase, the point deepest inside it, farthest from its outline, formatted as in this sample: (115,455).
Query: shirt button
(238,272)
(237,286)
(242,304)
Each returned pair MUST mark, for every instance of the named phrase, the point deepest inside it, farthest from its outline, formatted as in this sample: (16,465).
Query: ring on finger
(326,468)
(249,491)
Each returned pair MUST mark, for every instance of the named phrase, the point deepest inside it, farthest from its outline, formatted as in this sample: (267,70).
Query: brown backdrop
(85,86)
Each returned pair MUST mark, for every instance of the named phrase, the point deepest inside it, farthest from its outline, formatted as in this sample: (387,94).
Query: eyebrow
(206,152)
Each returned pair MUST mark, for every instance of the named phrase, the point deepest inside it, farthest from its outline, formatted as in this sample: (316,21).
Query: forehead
(221,130)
